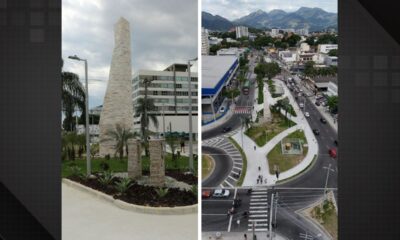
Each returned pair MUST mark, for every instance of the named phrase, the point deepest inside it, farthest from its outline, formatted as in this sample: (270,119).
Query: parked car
(317,103)
(332,152)
(315,131)
(299,94)
(226,129)
(206,193)
(323,120)
(221,193)
(307,114)
(301,105)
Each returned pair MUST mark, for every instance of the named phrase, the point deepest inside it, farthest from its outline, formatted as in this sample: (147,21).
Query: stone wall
(134,159)
(157,162)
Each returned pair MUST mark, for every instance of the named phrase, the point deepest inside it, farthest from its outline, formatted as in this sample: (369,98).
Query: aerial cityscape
(269,120)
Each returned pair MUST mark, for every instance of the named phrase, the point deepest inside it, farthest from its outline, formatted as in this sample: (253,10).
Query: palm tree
(172,142)
(121,136)
(144,106)
(72,97)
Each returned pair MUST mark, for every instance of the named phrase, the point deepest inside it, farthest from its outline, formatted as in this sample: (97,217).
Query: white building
(304,47)
(325,48)
(230,40)
(287,56)
(231,52)
(169,90)
(214,40)
(274,32)
(94,132)
(302,31)
(331,60)
(332,89)
(242,31)
(205,46)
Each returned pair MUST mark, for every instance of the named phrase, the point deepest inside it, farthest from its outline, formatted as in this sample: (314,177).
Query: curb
(132,207)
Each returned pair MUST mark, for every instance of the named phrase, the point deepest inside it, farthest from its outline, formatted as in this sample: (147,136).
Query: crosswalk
(258,210)
(223,143)
(242,110)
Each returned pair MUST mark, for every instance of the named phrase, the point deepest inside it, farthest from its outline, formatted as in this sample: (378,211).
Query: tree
(72,97)
(332,52)
(121,136)
(143,110)
(271,70)
(332,102)
(172,142)
(309,69)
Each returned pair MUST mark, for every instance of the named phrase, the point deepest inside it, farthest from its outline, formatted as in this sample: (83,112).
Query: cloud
(234,9)
(162,33)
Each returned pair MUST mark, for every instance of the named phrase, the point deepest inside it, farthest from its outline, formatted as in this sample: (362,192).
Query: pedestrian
(261,178)
(255,147)
(259,168)
(258,180)
(245,236)
(238,222)
(266,181)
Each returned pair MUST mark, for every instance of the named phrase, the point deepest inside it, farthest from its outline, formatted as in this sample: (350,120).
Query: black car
(323,120)
(317,103)
(316,131)
(226,129)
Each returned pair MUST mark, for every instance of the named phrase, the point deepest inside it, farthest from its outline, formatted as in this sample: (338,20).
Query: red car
(206,194)
(332,152)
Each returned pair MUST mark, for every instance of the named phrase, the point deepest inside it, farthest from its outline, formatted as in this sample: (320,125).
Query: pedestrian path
(258,210)
(224,144)
(257,162)
(243,110)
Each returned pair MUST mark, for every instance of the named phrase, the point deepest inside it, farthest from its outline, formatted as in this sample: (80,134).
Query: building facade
(170,91)
(325,48)
(242,31)
(205,45)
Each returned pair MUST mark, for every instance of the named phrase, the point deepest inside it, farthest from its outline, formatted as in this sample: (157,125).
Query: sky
(234,9)
(162,33)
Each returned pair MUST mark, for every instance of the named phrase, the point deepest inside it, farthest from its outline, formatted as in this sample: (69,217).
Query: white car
(306,114)
(221,193)
(222,109)
(301,105)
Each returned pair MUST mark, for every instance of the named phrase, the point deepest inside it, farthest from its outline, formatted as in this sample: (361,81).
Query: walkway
(90,218)
(258,158)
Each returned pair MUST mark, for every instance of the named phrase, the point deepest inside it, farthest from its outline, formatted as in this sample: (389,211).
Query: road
(222,168)
(293,194)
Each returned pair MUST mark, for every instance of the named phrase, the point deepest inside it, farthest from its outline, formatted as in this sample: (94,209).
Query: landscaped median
(285,161)
(262,133)
(132,207)
(207,166)
(244,161)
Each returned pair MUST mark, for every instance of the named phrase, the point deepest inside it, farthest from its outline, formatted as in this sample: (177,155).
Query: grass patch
(244,159)
(207,164)
(327,217)
(261,134)
(286,161)
(117,165)
(292,177)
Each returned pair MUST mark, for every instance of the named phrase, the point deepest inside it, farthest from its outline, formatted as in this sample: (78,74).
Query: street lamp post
(88,163)
(190,117)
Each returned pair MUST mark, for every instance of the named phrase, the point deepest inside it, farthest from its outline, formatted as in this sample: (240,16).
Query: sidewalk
(239,236)
(90,218)
(258,158)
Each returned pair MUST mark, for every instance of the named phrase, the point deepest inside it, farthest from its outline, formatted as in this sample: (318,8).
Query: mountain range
(314,19)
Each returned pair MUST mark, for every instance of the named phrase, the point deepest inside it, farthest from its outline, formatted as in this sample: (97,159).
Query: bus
(246,87)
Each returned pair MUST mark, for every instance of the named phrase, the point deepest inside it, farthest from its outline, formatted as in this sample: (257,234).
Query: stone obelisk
(117,105)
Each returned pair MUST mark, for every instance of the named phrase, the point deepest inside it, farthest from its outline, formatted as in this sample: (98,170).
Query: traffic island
(323,214)
(288,153)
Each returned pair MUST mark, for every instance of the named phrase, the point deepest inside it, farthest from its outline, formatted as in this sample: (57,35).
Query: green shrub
(161,192)
(106,178)
(123,185)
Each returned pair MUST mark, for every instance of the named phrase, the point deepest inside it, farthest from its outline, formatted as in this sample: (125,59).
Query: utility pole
(270,216)
(327,177)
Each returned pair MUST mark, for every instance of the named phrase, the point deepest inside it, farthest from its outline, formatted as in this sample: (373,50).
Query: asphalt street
(222,168)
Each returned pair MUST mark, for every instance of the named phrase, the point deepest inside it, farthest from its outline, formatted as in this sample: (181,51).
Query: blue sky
(233,9)
(162,32)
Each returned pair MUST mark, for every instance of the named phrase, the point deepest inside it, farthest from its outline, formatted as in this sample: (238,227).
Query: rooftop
(214,68)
